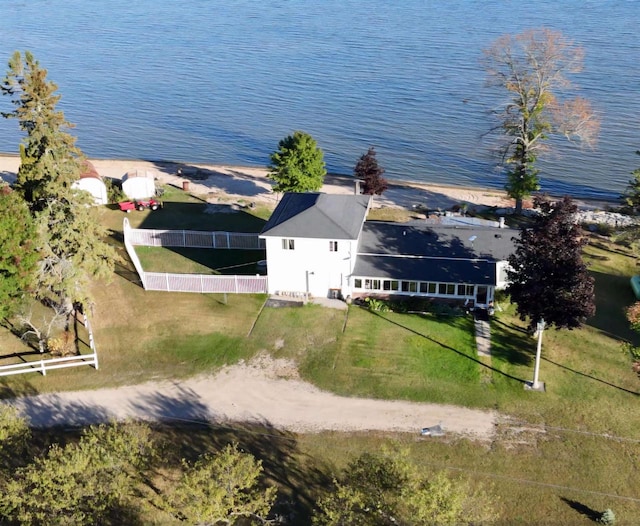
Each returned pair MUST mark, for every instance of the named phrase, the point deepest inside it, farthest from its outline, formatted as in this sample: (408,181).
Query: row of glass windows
(423,287)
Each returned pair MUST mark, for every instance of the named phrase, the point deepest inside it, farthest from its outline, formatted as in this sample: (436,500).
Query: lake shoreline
(220,182)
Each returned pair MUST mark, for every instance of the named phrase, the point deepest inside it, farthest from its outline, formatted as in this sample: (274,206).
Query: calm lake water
(224,81)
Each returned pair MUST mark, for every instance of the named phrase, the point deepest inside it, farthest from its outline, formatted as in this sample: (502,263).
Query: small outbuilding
(139,184)
(91,181)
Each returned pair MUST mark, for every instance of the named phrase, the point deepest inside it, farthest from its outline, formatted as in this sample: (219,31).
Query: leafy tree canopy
(548,279)
(88,482)
(386,489)
(298,164)
(223,489)
(532,68)
(368,169)
(19,255)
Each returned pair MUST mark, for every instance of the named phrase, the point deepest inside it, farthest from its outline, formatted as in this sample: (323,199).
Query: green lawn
(199,260)
(553,456)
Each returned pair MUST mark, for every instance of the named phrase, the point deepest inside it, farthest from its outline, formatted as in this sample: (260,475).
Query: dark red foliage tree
(548,279)
(370,172)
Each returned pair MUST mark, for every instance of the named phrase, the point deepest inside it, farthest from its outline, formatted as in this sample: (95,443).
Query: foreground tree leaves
(386,489)
(223,489)
(89,482)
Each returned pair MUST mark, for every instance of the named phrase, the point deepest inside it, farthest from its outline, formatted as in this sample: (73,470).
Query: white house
(91,181)
(321,245)
(311,241)
(139,184)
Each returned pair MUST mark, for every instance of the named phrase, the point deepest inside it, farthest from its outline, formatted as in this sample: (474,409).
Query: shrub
(377,305)
(114,190)
(607,518)
(62,346)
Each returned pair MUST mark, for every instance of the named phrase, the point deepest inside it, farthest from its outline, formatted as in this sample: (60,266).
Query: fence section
(205,284)
(200,283)
(128,245)
(195,239)
(42,366)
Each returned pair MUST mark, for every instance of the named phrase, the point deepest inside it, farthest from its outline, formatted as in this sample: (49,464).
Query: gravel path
(264,391)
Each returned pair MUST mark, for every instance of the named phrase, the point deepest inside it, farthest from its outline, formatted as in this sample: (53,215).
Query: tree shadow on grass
(511,343)
(582,509)
(613,295)
(299,477)
(448,347)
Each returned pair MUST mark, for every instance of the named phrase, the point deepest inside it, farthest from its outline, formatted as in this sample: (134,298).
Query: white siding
(310,267)
(501,274)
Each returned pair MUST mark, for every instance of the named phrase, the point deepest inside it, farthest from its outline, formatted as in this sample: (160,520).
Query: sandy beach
(220,183)
(217,183)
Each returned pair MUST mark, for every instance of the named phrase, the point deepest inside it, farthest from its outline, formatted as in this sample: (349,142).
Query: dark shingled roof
(432,252)
(420,239)
(319,216)
(478,271)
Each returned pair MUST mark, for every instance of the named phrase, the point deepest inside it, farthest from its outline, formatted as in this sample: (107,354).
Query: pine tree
(18,257)
(71,240)
(298,164)
(368,169)
(548,279)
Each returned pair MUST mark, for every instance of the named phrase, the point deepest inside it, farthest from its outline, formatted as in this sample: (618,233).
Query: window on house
(442,288)
(333,246)
(372,284)
(431,288)
(451,289)
(409,286)
(389,284)
(288,244)
(357,283)
(465,290)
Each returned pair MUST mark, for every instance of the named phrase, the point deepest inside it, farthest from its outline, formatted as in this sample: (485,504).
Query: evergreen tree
(71,240)
(19,256)
(368,169)
(547,278)
(298,164)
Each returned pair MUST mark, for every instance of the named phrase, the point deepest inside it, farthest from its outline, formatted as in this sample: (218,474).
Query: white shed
(91,181)
(139,184)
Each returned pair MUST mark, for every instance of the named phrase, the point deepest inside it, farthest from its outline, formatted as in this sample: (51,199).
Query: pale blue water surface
(224,81)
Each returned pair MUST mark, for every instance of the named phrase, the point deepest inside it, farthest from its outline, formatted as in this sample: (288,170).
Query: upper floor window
(288,244)
(333,246)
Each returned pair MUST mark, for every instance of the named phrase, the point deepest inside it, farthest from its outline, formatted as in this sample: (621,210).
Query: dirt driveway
(263,391)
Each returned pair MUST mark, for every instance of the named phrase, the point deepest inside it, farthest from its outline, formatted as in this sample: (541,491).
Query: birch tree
(533,68)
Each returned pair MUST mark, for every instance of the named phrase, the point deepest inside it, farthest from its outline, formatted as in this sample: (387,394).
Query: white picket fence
(200,283)
(204,283)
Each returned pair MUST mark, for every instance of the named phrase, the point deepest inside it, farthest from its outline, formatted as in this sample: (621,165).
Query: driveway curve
(264,391)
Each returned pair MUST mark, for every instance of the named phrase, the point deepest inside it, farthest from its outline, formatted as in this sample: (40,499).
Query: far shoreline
(9,163)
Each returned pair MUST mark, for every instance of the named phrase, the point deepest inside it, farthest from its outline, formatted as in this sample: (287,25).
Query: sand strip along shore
(225,184)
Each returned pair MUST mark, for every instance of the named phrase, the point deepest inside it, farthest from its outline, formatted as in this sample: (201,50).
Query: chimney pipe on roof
(501,222)
(357,188)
